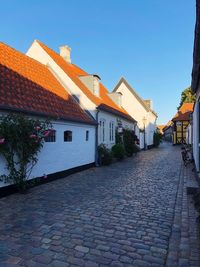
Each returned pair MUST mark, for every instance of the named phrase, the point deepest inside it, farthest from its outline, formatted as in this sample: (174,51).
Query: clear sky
(148,42)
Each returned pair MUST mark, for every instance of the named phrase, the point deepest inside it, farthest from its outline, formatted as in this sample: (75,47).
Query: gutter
(48,116)
(117,113)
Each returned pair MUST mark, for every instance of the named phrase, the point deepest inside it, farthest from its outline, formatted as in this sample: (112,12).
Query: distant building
(139,109)
(168,132)
(180,123)
(160,128)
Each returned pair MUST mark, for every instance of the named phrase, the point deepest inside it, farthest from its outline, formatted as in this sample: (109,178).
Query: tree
(187,96)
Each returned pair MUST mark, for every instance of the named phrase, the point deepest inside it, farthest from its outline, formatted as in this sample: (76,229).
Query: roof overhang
(108,109)
(196,52)
(49,116)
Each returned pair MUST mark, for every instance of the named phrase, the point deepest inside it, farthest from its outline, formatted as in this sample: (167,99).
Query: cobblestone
(134,213)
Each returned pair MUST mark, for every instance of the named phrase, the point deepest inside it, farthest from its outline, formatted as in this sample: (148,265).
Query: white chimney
(92,83)
(65,52)
(116,97)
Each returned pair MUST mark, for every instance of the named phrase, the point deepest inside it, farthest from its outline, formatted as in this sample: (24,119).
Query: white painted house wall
(137,111)
(38,53)
(59,156)
(151,127)
(189,135)
(108,118)
(195,131)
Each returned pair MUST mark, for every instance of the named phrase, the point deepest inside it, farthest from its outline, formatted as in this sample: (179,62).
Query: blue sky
(148,42)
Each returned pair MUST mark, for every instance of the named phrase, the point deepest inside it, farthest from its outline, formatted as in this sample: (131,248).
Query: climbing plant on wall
(21,139)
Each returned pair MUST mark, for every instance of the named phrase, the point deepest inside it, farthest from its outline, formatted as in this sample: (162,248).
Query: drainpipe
(96,140)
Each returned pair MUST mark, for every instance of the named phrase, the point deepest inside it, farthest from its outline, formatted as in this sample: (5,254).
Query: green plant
(21,138)
(130,140)
(118,138)
(118,151)
(157,139)
(187,96)
(105,155)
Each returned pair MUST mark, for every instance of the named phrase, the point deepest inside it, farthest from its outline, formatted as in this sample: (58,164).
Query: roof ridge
(96,100)
(123,80)
(33,79)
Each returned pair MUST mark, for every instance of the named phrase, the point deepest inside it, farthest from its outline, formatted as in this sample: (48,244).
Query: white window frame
(102,130)
(111,131)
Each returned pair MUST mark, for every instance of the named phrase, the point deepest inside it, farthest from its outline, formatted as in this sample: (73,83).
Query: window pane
(87,136)
(51,137)
(67,136)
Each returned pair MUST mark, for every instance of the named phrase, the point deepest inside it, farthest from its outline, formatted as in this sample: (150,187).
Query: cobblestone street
(132,213)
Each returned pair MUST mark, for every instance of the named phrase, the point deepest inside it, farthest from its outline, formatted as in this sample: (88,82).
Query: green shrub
(105,155)
(157,139)
(118,151)
(129,142)
(118,138)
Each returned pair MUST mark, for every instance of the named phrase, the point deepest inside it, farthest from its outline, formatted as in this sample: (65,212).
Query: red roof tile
(29,86)
(74,72)
(184,112)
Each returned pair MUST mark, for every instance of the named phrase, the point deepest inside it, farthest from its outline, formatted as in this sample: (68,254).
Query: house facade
(196,90)
(87,90)
(29,87)
(168,132)
(160,128)
(181,122)
(140,110)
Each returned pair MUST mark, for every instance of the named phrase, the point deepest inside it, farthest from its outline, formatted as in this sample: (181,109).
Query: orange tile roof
(28,85)
(184,112)
(74,72)
(161,127)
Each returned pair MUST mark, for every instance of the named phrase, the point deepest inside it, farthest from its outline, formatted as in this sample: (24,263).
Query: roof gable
(74,72)
(184,112)
(133,92)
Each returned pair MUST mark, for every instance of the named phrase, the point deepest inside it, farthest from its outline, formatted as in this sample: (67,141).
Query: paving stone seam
(174,242)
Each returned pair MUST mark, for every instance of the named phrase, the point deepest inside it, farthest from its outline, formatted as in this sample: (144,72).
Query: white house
(29,87)
(106,108)
(140,110)
(196,90)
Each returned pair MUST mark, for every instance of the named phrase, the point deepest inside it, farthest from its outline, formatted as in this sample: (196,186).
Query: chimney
(149,103)
(92,83)
(116,97)
(65,52)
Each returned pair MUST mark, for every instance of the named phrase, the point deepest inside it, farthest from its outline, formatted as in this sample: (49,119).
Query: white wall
(196,135)
(189,135)
(131,104)
(109,117)
(151,127)
(59,156)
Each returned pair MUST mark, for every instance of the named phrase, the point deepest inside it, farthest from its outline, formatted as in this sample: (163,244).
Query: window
(111,128)
(102,125)
(87,136)
(68,136)
(51,137)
